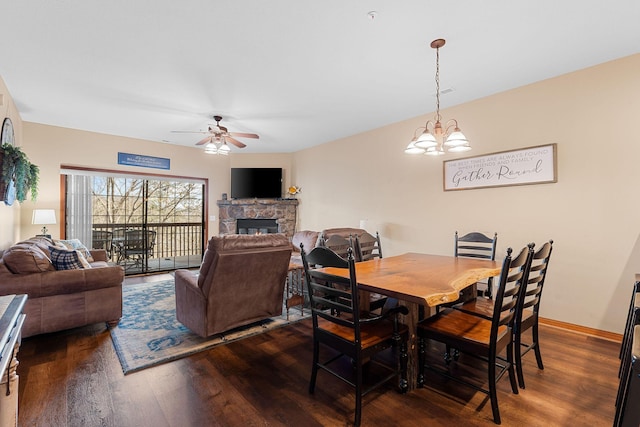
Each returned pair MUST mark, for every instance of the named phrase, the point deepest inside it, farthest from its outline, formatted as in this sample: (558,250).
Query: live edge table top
(420,278)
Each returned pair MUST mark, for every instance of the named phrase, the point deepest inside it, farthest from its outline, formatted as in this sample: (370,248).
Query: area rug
(149,334)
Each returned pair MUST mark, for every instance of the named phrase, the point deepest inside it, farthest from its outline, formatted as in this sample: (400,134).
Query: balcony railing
(176,245)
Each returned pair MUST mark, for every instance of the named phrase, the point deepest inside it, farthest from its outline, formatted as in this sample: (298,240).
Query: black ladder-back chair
(338,324)
(527,315)
(369,247)
(628,333)
(338,244)
(477,245)
(529,309)
(341,245)
(627,410)
(479,337)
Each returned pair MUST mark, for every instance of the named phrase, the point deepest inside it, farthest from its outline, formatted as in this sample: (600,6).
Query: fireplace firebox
(256,226)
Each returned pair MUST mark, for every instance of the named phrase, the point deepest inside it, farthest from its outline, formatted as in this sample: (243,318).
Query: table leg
(411,320)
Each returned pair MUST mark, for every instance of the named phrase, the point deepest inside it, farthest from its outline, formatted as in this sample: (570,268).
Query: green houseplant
(17,168)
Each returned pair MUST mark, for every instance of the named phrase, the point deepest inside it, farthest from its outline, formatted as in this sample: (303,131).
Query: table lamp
(44,217)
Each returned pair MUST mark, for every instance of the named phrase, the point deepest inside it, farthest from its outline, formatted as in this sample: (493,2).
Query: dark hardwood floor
(73,378)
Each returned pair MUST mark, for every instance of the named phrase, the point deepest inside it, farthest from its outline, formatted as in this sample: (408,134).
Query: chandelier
(217,145)
(434,138)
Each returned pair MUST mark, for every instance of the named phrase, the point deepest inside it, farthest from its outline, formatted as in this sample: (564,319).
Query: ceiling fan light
(412,149)
(456,138)
(224,149)
(210,148)
(426,140)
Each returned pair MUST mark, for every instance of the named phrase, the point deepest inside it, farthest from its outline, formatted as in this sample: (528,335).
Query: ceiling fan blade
(203,141)
(244,135)
(235,142)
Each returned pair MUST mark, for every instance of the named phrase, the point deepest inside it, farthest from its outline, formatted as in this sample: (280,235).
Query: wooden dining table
(419,280)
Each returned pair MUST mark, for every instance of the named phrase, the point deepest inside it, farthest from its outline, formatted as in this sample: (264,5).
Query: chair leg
(536,343)
(359,375)
(511,370)
(518,357)
(493,395)
(314,366)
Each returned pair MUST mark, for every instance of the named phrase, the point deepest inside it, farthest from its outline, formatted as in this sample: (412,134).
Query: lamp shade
(456,138)
(43,216)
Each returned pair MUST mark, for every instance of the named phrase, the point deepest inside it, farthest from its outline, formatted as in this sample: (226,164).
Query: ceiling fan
(218,136)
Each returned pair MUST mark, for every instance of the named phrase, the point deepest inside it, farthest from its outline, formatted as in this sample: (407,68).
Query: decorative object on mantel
(293,190)
(18,177)
(434,139)
(524,166)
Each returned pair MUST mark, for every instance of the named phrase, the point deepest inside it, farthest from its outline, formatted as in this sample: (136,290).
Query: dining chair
(527,311)
(477,245)
(368,246)
(631,319)
(138,245)
(355,338)
(102,239)
(479,337)
(339,245)
(629,386)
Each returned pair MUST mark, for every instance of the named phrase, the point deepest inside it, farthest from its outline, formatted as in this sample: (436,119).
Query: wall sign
(144,161)
(533,165)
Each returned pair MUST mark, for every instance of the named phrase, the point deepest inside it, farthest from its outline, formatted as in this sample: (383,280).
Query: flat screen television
(256,183)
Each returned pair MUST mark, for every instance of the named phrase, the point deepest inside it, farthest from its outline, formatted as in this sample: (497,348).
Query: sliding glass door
(146,224)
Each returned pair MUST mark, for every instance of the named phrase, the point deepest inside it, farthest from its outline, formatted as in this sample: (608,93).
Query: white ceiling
(298,73)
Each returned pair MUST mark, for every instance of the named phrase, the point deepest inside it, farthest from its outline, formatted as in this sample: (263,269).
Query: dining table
(418,281)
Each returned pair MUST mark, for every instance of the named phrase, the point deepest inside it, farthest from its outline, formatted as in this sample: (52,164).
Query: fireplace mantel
(282,210)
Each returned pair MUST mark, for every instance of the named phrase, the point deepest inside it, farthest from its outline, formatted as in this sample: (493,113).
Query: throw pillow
(65,260)
(23,258)
(83,260)
(74,244)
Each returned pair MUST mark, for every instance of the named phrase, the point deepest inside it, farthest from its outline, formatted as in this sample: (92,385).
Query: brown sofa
(60,299)
(241,281)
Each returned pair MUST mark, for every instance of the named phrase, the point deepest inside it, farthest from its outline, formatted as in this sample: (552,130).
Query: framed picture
(525,166)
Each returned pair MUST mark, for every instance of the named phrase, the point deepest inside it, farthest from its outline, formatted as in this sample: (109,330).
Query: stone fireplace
(282,211)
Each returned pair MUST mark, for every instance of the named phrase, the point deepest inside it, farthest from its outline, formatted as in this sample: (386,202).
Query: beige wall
(50,147)
(9,215)
(592,212)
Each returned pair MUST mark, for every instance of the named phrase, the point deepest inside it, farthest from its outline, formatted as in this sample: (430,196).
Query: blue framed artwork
(144,161)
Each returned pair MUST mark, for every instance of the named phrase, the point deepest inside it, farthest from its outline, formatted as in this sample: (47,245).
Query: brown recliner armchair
(241,281)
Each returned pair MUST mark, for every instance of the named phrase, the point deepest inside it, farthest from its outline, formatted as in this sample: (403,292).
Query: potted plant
(16,168)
